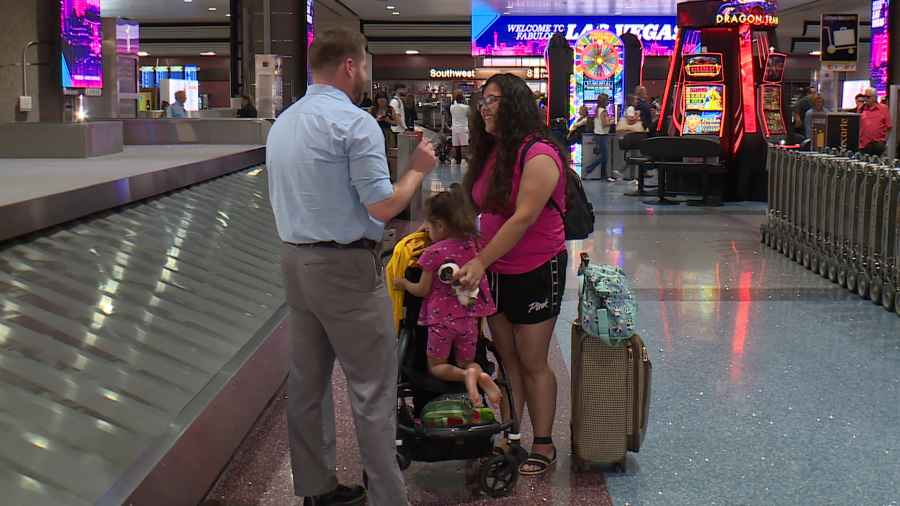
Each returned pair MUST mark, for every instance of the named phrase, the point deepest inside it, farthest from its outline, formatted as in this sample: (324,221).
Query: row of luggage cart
(837,213)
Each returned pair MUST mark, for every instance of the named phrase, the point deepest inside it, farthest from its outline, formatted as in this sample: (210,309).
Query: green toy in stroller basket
(455,411)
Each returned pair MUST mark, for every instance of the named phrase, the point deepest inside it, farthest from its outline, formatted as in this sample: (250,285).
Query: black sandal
(543,463)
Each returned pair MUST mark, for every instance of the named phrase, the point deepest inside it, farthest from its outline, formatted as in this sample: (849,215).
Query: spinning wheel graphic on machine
(600,60)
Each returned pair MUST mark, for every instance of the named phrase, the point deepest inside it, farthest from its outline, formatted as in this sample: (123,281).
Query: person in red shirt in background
(875,124)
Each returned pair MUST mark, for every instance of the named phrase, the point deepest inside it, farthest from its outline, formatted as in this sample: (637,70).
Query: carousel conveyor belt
(123,337)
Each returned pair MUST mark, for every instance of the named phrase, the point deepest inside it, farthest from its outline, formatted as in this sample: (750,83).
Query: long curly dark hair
(518,117)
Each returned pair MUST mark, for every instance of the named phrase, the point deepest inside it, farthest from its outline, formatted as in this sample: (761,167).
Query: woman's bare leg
(504,337)
(533,345)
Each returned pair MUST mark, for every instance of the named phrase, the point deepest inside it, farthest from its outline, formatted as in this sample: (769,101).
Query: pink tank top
(543,240)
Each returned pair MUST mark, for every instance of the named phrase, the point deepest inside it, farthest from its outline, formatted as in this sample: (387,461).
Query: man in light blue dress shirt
(331,194)
(177,110)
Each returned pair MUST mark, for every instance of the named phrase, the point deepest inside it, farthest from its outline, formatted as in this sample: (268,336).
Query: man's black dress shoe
(341,496)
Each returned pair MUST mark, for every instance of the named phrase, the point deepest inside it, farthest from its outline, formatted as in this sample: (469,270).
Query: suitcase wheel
(578,465)
(499,475)
(875,294)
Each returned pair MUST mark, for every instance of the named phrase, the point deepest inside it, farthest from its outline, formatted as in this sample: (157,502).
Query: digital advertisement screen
(309,37)
(528,35)
(706,97)
(82,44)
(851,90)
(128,36)
(878,65)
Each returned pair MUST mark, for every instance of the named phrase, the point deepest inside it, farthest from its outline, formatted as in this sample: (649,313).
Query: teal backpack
(607,308)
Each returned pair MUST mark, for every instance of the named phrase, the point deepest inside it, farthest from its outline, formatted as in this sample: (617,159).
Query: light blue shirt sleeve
(176,110)
(369,172)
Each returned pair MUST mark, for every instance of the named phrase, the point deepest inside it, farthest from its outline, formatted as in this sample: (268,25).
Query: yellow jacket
(406,253)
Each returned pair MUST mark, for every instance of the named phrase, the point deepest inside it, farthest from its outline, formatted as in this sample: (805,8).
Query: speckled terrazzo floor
(771,386)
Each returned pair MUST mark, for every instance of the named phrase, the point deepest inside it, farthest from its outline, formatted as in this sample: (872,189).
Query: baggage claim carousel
(142,326)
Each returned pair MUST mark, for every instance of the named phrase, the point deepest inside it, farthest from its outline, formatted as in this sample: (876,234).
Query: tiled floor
(771,386)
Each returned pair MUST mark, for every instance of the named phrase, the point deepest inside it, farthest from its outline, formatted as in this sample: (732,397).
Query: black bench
(632,142)
(668,154)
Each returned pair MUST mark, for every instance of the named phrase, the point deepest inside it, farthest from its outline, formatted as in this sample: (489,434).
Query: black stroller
(499,474)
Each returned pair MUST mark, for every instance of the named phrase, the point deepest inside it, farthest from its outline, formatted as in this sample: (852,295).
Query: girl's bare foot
(491,389)
(472,381)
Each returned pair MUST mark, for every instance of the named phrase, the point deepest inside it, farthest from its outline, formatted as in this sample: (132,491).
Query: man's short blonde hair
(333,47)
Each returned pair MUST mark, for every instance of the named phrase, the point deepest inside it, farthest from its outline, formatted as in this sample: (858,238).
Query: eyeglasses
(489,101)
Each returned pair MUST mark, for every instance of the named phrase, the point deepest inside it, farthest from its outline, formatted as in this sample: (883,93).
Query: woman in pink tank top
(523,247)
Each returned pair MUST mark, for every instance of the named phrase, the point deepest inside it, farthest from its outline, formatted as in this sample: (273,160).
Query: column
(21,23)
(276,27)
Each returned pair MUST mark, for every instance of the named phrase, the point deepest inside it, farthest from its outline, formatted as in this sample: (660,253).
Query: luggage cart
(824,168)
(831,252)
(877,224)
(890,241)
(773,228)
(866,203)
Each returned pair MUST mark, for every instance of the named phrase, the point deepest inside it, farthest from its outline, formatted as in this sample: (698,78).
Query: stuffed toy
(466,297)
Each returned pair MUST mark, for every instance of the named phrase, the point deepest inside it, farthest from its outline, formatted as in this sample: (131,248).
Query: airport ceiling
(439,10)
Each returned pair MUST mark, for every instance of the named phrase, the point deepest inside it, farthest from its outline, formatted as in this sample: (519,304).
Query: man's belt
(360,244)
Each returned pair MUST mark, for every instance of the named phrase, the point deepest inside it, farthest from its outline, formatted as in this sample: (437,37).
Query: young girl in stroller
(451,314)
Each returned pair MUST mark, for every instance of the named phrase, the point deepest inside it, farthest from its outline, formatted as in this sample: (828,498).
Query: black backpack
(578,218)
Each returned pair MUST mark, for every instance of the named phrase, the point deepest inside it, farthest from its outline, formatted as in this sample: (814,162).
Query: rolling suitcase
(610,399)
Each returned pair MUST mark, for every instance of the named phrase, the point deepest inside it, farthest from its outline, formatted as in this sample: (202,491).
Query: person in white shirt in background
(398,105)
(459,127)
(602,122)
(629,123)
(579,126)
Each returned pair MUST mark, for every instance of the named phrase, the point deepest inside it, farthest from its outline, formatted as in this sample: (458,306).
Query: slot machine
(703,104)
(740,34)
(770,99)
(599,69)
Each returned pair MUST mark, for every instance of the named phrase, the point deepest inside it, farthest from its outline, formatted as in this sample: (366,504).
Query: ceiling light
(412,51)
(213,9)
(509,6)
(228,15)
(390,7)
(143,53)
(396,13)
(208,53)
(188,1)
(506,12)
(815,53)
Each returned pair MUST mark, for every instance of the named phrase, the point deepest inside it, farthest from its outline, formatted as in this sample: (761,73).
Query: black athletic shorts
(531,297)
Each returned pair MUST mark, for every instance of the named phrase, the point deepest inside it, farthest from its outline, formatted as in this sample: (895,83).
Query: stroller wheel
(498,476)
(365,479)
